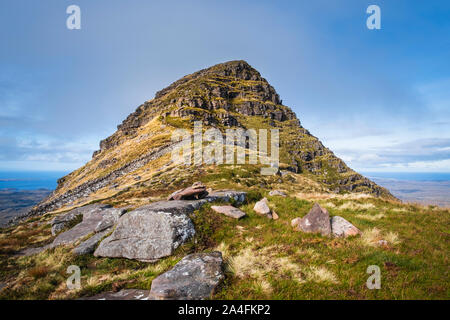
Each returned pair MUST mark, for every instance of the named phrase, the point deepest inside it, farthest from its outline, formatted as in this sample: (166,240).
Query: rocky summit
(227,95)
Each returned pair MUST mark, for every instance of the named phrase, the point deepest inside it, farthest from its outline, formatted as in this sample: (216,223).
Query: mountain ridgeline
(135,162)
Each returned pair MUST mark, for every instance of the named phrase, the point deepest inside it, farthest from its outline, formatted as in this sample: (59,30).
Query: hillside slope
(227,95)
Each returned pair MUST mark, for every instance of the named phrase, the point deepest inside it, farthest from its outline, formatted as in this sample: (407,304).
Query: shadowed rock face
(195,277)
(88,246)
(95,219)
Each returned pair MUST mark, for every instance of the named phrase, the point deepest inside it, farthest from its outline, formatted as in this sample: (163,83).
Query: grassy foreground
(265,259)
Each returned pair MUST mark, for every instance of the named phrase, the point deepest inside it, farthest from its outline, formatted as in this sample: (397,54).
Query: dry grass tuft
(321,274)
(38,271)
(371,217)
(258,264)
(356,206)
(370,237)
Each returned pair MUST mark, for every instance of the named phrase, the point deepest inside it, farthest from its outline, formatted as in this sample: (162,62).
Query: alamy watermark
(73,22)
(74,281)
(374,281)
(374,20)
(253,143)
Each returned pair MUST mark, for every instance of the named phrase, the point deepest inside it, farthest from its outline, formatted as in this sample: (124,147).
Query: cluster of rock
(262,207)
(147,234)
(154,231)
(318,221)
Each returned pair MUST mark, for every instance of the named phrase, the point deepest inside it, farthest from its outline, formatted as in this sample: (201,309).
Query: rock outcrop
(195,277)
(148,233)
(93,216)
(154,231)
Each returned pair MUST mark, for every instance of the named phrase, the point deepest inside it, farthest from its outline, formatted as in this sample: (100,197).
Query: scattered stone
(317,220)
(262,207)
(89,245)
(229,211)
(125,294)
(150,232)
(93,216)
(342,228)
(277,193)
(195,192)
(275,215)
(195,277)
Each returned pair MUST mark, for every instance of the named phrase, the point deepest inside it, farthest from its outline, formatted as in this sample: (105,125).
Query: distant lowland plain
(20,191)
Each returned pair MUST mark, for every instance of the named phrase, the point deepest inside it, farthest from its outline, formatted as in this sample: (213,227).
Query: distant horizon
(33,180)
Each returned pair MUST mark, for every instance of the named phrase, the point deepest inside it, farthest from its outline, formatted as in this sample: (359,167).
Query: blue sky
(380,99)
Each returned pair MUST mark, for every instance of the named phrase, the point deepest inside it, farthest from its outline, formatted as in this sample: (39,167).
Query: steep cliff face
(136,159)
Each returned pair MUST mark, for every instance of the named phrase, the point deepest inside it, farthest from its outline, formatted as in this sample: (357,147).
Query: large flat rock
(229,211)
(147,235)
(95,219)
(195,277)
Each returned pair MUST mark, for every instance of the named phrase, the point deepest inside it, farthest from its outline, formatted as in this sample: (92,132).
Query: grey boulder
(148,233)
(316,221)
(342,228)
(262,207)
(195,277)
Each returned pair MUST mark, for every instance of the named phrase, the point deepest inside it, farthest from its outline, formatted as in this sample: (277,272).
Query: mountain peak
(237,69)
(227,95)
